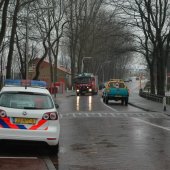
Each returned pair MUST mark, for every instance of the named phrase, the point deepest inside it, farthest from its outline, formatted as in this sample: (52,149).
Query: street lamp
(82,63)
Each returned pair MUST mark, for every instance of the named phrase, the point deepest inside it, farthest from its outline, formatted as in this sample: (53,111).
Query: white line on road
(87,114)
(112,114)
(152,124)
(109,106)
(100,115)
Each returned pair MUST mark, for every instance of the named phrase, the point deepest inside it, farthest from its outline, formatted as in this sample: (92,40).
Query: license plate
(118,96)
(19,120)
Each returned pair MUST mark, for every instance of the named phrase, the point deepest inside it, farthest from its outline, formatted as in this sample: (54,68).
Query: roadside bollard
(164,103)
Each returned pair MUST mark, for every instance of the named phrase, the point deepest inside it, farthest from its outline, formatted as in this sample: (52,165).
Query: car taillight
(2,114)
(50,116)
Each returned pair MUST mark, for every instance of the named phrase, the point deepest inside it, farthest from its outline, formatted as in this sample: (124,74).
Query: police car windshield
(24,100)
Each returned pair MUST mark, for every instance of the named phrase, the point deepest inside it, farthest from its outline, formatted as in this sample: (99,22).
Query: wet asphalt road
(99,137)
(95,136)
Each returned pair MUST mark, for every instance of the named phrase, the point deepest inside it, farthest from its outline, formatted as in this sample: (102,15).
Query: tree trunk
(37,73)
(4,19)
(55,62)
(12,40)
(152,79)
(20,57)
(51,65)
(160,76)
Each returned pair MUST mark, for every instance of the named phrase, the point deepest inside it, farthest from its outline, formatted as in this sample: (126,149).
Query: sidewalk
(65,94)
(148,105)
(23,164)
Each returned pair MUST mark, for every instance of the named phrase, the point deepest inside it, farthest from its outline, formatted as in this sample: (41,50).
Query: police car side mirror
(56,105)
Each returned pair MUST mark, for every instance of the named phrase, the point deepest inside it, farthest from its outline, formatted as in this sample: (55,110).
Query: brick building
(63,74)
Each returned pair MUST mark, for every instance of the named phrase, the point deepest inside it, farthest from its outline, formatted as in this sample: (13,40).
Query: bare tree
(12,39)
(152,20)
(80,15)
(17,6)
(112,45)
(60,23)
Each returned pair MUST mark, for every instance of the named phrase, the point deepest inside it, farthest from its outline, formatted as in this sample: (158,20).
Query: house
(63,74)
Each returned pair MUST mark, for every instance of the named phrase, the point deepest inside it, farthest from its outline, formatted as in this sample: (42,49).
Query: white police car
(28,112)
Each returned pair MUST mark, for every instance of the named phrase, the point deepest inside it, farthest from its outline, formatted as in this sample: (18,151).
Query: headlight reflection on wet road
(90,103)
(78,103)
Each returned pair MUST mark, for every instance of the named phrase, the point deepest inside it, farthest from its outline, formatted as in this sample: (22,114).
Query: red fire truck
(86,83)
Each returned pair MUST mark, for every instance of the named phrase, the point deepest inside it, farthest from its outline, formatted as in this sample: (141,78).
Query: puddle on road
(84,148)
(93,148)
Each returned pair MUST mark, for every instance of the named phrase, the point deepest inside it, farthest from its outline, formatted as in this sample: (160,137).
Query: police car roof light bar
(25,83)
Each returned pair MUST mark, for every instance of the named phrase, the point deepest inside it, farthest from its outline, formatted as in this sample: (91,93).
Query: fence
(154,97)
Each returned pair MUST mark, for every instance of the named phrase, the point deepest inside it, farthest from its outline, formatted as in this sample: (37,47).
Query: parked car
(28,112)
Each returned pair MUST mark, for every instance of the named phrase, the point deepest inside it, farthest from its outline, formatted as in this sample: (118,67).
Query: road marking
(109,106)
(152,124)
(100,115)
(87,114)
(113,114)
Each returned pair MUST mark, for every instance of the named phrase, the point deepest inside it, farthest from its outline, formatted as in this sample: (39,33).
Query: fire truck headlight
(77,90)
(90,90)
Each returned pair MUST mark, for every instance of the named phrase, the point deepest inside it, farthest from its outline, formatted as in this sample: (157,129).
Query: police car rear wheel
(54,149)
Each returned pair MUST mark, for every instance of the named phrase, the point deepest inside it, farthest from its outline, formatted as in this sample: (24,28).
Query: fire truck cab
(86,83)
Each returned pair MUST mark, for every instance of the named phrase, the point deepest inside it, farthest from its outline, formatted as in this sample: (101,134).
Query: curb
(147,110)
(49,164)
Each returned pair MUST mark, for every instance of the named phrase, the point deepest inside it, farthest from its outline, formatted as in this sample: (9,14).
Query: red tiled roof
(46,64)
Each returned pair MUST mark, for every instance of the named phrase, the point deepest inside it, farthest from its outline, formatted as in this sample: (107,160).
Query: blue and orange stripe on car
(40,123)
(6,123)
